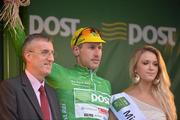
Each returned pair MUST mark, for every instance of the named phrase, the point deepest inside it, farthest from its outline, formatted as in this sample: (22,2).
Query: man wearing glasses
(82,94)
(28,97)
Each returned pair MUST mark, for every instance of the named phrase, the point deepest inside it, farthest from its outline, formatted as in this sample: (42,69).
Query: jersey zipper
(91,78)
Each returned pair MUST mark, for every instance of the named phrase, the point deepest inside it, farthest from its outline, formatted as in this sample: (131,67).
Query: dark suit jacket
(18,100)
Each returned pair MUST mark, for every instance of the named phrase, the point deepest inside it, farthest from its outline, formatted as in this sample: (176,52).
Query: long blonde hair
(161,90)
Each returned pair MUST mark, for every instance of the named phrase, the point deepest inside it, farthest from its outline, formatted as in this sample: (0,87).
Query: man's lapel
(28,89)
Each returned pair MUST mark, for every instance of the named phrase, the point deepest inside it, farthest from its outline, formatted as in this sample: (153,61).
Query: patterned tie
(44,104)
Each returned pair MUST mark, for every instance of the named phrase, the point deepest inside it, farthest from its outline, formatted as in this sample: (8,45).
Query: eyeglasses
(44,53)
(86,32)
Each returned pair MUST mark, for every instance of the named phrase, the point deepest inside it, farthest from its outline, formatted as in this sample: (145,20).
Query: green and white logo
(91,96)
(120,103)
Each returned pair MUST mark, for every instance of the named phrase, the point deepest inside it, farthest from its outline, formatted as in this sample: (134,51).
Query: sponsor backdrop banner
(125,25)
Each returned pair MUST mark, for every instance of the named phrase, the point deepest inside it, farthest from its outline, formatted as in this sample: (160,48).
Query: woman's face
(147,66)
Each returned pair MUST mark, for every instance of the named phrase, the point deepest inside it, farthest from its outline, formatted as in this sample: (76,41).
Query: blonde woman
(149,97)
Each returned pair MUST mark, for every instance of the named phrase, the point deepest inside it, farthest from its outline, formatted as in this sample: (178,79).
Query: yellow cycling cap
(86,34)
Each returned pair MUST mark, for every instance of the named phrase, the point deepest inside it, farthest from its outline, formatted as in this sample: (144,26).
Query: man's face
(89,55)
(39,58)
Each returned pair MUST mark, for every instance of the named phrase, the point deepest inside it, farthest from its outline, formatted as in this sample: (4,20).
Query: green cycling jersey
(81,93)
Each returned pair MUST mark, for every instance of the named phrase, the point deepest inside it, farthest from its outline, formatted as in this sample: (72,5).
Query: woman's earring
(136,78)
(156,81)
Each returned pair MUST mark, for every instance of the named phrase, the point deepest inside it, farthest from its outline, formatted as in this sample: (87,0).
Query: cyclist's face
(90,55)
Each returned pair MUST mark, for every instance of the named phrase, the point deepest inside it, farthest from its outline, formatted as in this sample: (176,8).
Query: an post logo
(52,25)
(99,98)
(150,34)
(135,33)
